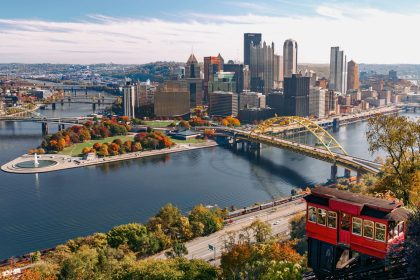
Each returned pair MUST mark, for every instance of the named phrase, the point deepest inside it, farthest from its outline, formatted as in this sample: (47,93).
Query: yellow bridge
(327,148)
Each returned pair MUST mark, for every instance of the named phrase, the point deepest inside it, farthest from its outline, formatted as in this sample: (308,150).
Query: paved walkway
(67,162)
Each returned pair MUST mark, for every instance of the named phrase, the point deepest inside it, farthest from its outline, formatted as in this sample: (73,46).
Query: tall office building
(290,52)
(223,104)
(223,81)
(317,102)
(352,75)
(262,68)
(129,96)
(296,95)
(253,39)
(172,99)
(247,78)
(278,71)
(338,70)
(238,69)
(194,81)
(212,65)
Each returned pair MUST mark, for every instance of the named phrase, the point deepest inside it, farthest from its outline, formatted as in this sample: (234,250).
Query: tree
(172,223)
(283,270)
(261,230)
(399,137)
(136,236)
(211,220)
(178,250)
(184,124)
(297,227)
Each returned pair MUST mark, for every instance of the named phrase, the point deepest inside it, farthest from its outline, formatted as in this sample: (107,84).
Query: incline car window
(357,226)
(322,216)
(380,232)
(312,214)
(332,219)
(368,229)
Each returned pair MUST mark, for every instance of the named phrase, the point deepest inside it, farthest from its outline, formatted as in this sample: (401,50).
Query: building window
(345,221)
(357,226)
(367,229)
(312,214)
(322,216)
(380,232)
(332,219)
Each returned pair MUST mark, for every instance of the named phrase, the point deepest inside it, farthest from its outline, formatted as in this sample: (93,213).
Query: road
(278,217)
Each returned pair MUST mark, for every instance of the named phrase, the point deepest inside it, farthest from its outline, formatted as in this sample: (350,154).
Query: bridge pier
(334,172)
(61,127)
(336,124)
(53,106)
(94,106)
(62,102)
(347,173)
(44,127)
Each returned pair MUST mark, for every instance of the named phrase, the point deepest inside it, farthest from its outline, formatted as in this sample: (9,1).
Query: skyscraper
(262,68)
(278,71)
(338,70)
(290,51)
(129,96)
(352,75)
(250,38)
(296,95)
(212,65)
(238,69)
(194,81)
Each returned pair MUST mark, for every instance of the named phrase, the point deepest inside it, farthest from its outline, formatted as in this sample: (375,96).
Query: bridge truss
(325,139)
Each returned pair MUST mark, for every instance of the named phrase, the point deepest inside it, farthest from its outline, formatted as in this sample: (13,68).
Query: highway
(278,217)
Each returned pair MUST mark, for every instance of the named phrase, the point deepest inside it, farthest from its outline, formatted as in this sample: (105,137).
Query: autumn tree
(210,219)
(297,227)
(261,231)
(172,223)
(399,137)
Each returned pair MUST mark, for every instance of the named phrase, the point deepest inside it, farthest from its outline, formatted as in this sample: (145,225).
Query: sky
(142,31)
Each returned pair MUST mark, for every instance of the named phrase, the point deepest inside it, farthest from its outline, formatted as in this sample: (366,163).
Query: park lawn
(154,124)
(76,149)
(189,141)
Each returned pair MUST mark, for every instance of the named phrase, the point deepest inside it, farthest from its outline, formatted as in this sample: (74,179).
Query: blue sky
(138,31)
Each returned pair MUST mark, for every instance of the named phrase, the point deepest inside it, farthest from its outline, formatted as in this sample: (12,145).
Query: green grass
(154,124)
(76,149)
(189,141)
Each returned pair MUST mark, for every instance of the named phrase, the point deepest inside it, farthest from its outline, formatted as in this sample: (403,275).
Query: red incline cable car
(344,228)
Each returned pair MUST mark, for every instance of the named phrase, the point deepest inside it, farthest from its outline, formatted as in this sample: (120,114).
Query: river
(42,210)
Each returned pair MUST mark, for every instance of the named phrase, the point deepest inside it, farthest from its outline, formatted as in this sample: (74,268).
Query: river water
(42,210)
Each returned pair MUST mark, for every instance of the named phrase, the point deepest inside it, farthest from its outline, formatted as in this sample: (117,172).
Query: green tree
(136,236)
(283,270)
(399,137)
(172,223)
(178,250)
(297,227)
(205,220)
(261,230)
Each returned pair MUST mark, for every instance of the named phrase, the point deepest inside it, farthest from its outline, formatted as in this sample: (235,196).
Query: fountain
(36,163)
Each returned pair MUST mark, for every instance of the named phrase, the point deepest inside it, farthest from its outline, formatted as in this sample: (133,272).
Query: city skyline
(129,33)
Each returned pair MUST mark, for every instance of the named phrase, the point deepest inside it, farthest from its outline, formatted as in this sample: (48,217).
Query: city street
(278,217)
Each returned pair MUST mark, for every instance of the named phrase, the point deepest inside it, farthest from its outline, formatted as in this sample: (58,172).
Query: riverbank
(63,162)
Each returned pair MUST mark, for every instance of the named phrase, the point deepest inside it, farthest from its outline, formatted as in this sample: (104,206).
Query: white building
(317,102)
(129,96)
(338,70)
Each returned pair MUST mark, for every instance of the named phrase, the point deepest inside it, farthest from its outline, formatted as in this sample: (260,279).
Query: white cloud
(367,35)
